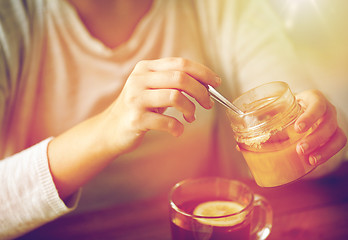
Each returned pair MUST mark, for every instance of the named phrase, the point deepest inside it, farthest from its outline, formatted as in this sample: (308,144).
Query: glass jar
(266,136)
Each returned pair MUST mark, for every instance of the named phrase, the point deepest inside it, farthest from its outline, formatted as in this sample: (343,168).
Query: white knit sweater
(53,74)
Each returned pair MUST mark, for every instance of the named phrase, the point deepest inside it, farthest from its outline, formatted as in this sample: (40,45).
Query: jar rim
(272,108)
(276,98)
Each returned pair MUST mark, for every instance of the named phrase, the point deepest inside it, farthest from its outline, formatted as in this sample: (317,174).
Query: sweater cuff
(48,188)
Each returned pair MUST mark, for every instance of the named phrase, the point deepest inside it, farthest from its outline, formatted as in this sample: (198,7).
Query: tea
(229,227)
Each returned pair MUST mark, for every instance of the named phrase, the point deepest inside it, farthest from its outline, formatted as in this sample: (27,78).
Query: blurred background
(319,31)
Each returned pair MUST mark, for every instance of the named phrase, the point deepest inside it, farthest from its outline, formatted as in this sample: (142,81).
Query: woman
(94,87)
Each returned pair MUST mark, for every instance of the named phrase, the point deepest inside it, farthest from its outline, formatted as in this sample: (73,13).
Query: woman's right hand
(153,86)
(83,151)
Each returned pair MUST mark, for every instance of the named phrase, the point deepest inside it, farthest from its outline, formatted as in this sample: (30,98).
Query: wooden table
(307,209)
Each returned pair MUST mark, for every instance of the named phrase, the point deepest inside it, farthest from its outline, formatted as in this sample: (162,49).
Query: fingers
(327,138)
(196,70)
(177,73)
(155,85)
(324,153)
(180,81)
(156,121)
(315,105)
(324,128)
(154,99)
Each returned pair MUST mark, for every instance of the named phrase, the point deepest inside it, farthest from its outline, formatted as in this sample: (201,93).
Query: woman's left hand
(327,137)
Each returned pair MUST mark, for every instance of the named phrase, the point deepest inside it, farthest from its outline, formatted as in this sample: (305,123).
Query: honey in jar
(266,136)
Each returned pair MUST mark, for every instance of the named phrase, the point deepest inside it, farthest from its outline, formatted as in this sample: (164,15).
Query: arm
(82,152)
(28,196)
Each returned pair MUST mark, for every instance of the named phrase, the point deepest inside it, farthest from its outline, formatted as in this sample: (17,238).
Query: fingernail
(304,147)
(314,159)
(193,118)
(190,119)
(301,126)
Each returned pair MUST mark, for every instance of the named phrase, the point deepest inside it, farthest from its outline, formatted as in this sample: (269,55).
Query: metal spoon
(221,99)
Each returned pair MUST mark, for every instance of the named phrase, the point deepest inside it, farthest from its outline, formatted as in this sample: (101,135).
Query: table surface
(306,209)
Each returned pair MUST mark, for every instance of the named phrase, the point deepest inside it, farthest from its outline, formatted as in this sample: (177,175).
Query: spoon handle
(221,99)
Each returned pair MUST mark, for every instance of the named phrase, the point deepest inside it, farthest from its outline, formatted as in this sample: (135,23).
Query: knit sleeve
(28,196)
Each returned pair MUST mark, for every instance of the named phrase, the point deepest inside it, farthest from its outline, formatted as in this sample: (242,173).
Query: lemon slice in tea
(219,209)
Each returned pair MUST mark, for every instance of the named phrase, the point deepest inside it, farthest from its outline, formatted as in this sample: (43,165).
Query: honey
(266,135)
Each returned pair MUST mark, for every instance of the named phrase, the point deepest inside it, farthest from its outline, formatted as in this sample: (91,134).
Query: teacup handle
(261,224)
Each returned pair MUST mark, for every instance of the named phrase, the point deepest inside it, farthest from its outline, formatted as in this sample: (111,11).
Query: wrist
(77,155)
